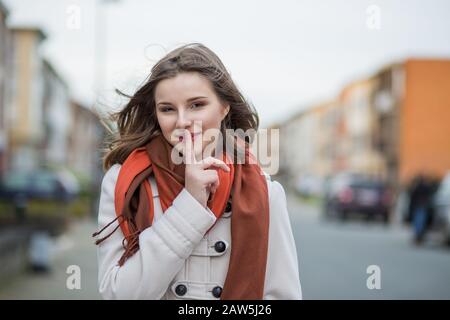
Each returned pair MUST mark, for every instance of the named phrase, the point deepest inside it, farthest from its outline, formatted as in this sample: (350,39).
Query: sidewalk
(76,247)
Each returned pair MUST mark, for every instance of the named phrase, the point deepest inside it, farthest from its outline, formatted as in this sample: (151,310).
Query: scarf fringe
(132,240)
(131,247)
(103,229)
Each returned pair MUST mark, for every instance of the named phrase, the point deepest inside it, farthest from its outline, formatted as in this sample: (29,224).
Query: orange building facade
(425,119)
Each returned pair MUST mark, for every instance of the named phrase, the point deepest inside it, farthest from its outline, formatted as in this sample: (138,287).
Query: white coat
(177,260)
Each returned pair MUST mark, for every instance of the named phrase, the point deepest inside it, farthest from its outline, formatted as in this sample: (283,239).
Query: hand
(200,181)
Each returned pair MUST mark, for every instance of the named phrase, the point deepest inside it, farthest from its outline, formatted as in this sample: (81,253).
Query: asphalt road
(334,258)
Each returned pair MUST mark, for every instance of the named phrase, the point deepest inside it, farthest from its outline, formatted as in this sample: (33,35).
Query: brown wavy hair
(137,123)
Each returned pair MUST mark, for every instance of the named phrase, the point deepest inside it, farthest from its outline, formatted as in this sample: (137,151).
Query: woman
(184,218)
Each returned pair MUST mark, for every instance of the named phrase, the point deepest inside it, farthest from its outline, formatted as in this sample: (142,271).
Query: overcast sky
(284,55)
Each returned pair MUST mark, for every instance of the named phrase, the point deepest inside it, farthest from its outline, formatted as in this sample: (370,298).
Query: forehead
(182,87)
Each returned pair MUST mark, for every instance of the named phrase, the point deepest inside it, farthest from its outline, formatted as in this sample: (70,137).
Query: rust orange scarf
(250,206)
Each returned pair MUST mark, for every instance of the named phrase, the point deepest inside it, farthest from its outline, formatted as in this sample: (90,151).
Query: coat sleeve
(282,275)
(163,247)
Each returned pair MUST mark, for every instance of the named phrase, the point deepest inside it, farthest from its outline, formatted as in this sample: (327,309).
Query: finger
(189,148)
(214,186)
(210,177)
(211,161)
(213,189)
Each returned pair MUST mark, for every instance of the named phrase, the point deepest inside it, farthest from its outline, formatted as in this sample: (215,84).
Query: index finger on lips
(190,156)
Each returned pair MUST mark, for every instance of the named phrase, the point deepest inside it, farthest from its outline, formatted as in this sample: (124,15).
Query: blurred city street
(334,256)
(333,259)
(72,248)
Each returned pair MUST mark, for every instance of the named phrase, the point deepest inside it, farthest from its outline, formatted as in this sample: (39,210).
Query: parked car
(349,193)
(441,206)
(309,185)
(20,186)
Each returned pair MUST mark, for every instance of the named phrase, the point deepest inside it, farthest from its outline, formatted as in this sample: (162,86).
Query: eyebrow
(188,100)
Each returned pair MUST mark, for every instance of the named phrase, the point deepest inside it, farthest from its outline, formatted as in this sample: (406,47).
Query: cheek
(212,120)
(166,125)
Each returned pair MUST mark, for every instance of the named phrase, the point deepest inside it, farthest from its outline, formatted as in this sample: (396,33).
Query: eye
(197,105)
(165,109)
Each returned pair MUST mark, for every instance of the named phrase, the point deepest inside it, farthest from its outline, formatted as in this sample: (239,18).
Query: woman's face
(188,102)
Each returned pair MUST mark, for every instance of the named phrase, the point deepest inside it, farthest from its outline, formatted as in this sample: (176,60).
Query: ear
(226,109)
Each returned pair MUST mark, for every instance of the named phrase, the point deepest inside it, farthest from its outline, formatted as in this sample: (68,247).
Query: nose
(182,120)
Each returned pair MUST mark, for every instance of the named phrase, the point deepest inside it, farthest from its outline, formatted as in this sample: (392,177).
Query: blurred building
(27,130)
(57,117)
(5,86)
(358,122)
(45,125)
(412,100)
(393,125)
(330,117)
(84,143)
(299,142)
(305,142)
(40,125)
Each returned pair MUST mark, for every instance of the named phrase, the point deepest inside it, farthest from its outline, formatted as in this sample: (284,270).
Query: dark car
(18,186)
(357,194)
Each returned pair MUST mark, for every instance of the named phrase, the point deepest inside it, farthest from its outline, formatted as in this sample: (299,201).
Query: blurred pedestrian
(420,204)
